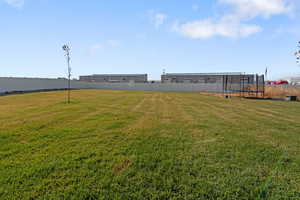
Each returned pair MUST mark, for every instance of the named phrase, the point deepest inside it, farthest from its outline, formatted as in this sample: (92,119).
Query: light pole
(67,49)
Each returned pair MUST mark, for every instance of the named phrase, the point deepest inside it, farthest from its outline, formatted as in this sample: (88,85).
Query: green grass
(147,145)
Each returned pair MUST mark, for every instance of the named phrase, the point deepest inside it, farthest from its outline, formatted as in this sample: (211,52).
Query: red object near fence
(281,82)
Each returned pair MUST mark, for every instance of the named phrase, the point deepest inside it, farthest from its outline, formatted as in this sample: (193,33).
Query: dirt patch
(124,165)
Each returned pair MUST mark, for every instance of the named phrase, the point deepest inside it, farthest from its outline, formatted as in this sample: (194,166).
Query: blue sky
(147,36)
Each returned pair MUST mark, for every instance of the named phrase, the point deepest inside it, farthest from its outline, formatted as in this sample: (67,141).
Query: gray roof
(203,74)
(118,75)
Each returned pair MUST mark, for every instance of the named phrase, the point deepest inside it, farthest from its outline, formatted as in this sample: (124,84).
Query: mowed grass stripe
(147,145)
(248,120)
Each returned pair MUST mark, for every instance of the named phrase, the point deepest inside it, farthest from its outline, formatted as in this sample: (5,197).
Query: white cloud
(15,3)
(253,8)
(233,24)
(157,18)
(207,28)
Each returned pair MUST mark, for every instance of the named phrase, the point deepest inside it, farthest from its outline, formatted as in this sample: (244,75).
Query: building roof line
(225,73)
(117,75)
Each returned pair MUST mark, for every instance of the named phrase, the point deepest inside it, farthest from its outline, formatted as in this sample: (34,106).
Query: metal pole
(264,86)
(226,85)
(223,85)
(240,86)
(243,85)
(256,85)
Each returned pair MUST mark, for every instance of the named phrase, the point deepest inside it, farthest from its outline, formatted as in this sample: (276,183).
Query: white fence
(9,85)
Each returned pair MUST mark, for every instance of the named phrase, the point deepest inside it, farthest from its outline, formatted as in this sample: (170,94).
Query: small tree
(67,49)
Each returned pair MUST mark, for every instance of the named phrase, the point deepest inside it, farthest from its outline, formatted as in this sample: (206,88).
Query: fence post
(257,85)
(264,86)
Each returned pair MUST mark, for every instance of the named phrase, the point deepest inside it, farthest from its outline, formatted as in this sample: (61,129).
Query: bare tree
(297,54)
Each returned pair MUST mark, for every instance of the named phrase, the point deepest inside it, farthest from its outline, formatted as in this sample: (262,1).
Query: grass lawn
(147,145)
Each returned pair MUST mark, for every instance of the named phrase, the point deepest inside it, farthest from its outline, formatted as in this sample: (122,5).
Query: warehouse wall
(23,84)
